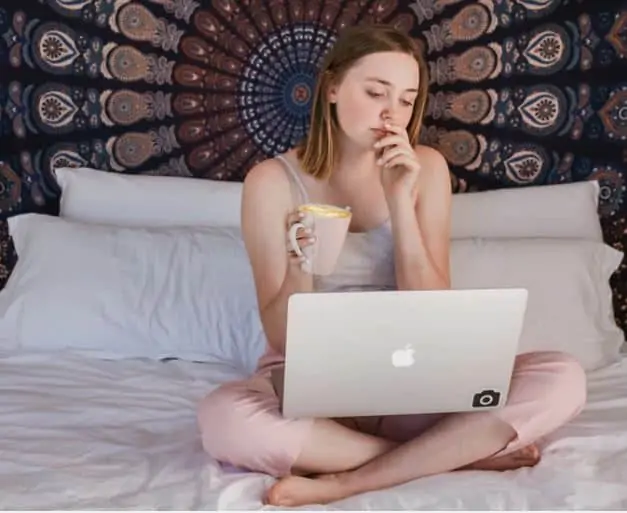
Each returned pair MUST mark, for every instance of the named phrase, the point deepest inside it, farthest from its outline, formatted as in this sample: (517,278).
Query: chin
(362,141)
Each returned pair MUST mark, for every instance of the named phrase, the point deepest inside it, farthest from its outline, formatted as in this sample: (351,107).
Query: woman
(361,151)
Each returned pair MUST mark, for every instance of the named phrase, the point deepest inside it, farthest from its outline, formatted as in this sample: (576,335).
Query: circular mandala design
(277,85)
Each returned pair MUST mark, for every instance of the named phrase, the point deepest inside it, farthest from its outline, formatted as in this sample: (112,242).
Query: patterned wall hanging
(523,92)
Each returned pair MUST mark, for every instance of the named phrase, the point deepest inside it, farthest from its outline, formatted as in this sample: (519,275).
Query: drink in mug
(330,225)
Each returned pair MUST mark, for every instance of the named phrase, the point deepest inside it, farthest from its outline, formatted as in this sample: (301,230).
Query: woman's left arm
(421,226)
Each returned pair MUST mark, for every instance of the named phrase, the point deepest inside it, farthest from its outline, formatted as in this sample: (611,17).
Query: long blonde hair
(317,152)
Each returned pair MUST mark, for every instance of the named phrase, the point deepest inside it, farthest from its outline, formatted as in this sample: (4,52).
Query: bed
(118,319)
(85,433)
(97,406)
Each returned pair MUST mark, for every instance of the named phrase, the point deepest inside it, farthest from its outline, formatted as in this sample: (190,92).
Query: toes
(534,451)
(297,491)
(529,454)
(274,496)
(526,457)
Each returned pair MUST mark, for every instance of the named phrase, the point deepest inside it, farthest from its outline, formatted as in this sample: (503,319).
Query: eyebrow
(386,83)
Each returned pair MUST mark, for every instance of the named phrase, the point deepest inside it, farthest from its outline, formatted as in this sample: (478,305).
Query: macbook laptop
(351,354)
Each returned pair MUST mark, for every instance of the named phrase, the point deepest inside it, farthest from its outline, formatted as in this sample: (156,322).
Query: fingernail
(379,162)
(376,145)
(312,239)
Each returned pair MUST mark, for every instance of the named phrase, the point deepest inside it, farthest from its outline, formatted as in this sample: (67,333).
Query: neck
(353,164)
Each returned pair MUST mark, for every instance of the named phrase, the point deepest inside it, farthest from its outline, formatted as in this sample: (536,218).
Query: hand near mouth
(399,164)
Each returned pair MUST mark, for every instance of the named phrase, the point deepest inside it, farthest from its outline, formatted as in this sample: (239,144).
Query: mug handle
(292,238)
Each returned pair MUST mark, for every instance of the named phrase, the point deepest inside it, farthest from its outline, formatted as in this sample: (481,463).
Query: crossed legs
(241,424)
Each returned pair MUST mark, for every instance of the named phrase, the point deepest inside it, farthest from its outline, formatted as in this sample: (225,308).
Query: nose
(388,115)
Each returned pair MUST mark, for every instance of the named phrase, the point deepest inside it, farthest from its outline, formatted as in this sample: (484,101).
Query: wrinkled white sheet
(79,433)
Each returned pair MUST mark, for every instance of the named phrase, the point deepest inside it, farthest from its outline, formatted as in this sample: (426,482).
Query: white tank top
(365,263)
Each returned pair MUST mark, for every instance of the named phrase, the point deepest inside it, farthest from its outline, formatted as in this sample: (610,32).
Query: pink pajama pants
(240,422)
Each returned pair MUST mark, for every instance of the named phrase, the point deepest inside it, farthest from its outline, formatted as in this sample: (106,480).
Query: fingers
(304,238)
(402,159)
(395,129)
(294,258)
(395,150)
(391,154)
(294,217)
(390,140)
(298,217)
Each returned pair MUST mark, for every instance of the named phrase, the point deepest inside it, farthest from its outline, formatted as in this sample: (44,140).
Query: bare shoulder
(434,174)
(266,177)
(433,162)
(266,188)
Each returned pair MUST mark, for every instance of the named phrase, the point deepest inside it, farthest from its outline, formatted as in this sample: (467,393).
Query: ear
(331,86)
(332,94)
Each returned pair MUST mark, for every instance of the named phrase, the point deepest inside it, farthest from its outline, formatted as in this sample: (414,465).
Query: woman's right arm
(266,205)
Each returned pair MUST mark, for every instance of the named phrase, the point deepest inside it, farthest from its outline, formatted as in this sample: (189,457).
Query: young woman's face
(378,88)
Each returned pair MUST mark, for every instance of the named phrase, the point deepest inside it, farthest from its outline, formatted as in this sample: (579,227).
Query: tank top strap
(295,178)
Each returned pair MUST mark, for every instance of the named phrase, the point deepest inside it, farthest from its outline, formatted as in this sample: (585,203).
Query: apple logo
(403,357)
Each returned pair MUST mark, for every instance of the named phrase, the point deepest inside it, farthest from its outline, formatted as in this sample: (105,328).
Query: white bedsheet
(77,433)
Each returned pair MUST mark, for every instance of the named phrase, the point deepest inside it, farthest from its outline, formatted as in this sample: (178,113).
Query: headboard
(522,93)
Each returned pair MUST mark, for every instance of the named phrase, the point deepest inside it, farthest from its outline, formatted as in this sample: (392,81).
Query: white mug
(330,226)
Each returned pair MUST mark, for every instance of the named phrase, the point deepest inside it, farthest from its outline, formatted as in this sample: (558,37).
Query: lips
(380,132)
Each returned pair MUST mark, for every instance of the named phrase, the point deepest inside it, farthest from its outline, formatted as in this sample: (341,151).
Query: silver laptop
(352,354)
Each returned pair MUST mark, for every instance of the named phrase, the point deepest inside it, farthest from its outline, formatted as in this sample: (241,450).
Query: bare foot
(526,457)
(294,491)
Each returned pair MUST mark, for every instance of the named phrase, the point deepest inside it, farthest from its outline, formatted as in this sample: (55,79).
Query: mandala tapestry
(523,92)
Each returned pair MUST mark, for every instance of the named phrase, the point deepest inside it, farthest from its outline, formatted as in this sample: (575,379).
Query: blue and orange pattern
(523,92)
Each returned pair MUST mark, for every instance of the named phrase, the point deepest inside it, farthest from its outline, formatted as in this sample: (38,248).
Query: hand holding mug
(316,235)
(299,238)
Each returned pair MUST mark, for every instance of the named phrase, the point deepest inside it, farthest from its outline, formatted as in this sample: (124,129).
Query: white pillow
(565,210)
(551,211)
(119,292)
(570,298)
(106,197)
